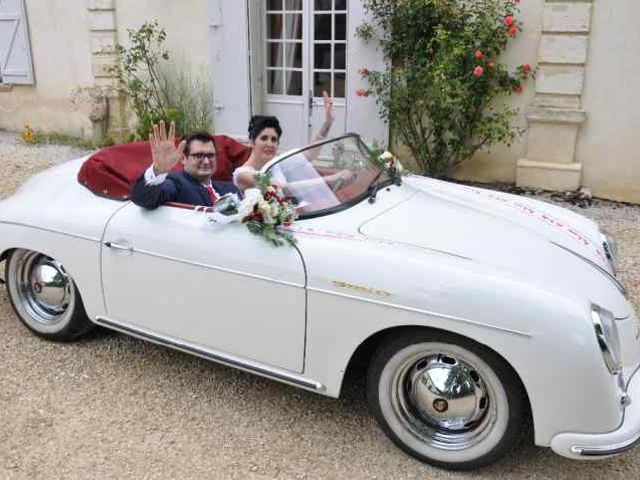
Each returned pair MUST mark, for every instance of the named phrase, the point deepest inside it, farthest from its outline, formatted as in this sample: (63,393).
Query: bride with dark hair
(265,134)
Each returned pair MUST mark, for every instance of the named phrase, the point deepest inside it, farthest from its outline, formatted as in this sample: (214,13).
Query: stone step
(548,175)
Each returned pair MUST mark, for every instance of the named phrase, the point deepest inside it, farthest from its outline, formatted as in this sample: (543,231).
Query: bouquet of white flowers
(264,210)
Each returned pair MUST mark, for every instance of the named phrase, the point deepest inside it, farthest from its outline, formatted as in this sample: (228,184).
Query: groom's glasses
(202,155)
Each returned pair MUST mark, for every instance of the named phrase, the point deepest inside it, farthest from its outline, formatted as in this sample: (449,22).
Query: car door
(171,273)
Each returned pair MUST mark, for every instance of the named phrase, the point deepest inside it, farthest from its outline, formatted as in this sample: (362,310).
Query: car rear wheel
(44,296)
(445,399)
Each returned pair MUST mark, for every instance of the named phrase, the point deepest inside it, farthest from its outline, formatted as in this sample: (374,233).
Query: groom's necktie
(212,194)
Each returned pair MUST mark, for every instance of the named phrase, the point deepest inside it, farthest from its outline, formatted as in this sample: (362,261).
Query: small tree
(140,78)
(159,90)
(438,96)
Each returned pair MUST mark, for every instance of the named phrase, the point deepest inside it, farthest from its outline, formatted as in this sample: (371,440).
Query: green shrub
(439,96)
(189,93)
(138,72)
(159,90)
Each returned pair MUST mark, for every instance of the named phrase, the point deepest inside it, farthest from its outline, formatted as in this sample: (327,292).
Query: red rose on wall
(517,88)
(479,54)
(478,71)
(513,31)
(361,92)
(508,21)
(526,68)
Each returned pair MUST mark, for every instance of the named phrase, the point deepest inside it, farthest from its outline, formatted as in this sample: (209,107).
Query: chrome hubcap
(443,401)
(44,288)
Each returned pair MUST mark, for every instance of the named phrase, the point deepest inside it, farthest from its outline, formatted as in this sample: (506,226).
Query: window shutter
(15,52)
(230,47)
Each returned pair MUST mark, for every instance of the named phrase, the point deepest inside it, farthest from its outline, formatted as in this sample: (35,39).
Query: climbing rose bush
(440,95)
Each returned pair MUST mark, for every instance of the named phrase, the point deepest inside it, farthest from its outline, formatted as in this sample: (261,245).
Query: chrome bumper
(585,446)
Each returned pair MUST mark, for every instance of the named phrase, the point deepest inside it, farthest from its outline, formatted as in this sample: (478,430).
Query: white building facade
(276,57)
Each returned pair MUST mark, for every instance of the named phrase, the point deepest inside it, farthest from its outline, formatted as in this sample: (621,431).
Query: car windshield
(328,176)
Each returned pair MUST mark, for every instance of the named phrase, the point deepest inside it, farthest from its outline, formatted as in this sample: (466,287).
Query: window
(329,47)
(284,47)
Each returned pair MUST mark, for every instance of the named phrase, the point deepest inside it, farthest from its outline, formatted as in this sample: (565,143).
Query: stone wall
(608,142)
(73,45)
(187,25)
(582,117)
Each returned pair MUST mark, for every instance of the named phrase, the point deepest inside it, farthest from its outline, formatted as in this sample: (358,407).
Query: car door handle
(119,246)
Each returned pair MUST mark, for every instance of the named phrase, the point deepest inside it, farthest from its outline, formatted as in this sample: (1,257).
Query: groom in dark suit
(193,185)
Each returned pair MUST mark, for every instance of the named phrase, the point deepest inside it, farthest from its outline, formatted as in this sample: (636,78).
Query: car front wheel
(445,399)
(44,296)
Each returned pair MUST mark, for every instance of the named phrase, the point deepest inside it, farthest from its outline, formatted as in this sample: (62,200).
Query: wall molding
(556,115)
(103,39)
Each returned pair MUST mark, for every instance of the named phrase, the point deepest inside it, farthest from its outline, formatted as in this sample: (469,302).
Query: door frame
(361,113)
(257,56)
(212,268)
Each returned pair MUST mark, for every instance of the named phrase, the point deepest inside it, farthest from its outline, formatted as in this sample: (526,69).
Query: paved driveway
(111,406)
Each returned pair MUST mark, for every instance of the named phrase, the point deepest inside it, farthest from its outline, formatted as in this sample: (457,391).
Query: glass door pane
(329,47)
(284,47)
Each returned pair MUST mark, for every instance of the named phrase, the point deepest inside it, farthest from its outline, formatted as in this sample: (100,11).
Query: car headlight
(606,330)
(610,245)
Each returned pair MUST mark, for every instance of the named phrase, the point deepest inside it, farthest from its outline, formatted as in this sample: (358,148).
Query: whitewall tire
(445,399)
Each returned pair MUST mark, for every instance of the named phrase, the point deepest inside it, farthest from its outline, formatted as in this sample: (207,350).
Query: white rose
(251,197)
(264,208)
(386,155)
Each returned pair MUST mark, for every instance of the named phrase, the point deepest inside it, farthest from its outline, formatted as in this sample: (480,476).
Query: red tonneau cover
(111,172)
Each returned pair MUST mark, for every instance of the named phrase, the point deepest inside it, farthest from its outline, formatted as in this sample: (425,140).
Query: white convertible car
(474,311)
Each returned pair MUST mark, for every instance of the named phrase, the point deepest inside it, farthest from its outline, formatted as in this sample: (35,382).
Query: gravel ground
(111,406)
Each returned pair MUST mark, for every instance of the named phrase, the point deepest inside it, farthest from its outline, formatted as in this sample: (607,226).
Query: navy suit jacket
(177,187)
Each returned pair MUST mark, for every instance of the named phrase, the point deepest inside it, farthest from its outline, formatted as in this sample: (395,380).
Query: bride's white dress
(300,180)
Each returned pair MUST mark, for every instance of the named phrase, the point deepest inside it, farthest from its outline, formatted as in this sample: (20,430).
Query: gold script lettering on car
(361,288)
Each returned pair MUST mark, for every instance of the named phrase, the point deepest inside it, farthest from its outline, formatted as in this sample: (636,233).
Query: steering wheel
(342,181)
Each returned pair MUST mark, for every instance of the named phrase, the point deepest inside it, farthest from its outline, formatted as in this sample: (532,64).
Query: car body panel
(518,245)
(53,200)
(53,214)
(549,221)
(583,445)
(79,255)
(229,290)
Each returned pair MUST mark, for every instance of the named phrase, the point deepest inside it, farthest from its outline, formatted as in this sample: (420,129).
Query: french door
(302,52)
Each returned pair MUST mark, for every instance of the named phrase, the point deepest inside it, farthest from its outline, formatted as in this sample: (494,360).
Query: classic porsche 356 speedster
(474,311)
